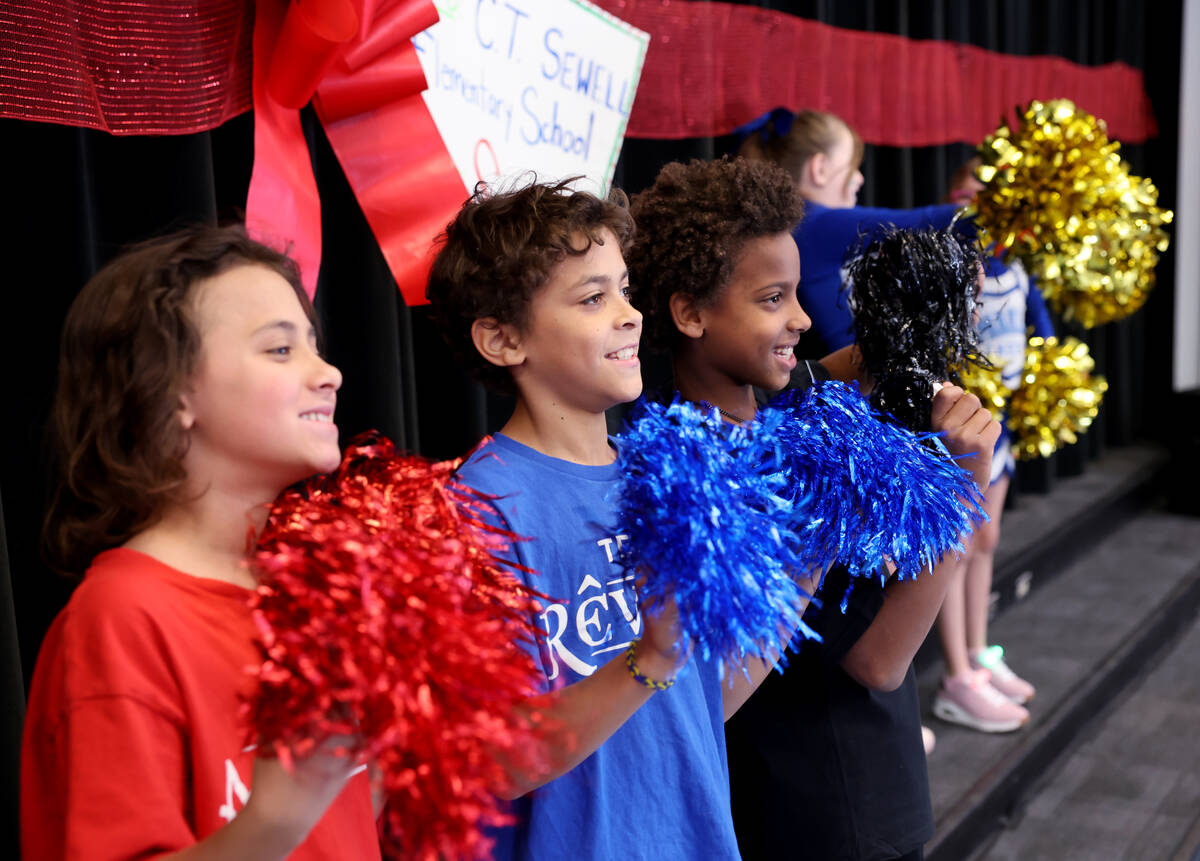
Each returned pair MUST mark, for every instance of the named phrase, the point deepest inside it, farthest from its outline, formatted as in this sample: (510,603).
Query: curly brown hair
(129,345)
(502,247)
(692,226)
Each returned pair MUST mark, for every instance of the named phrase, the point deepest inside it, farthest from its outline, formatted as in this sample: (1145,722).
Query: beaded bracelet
(653,684)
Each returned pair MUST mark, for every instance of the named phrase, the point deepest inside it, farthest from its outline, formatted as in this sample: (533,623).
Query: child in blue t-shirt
(826,760)
(531,291)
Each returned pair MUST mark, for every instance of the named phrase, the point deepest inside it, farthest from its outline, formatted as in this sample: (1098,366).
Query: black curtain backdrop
(74,197)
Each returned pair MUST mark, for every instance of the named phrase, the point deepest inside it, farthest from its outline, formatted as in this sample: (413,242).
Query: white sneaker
(971,701)
(1003,679)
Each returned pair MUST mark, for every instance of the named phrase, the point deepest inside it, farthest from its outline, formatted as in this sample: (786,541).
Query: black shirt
(821,767)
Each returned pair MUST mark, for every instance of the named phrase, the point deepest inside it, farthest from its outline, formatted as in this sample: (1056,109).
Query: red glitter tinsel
(139,67)
(385,617)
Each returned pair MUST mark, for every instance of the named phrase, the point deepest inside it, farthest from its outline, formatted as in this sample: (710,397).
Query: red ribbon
(310,39)
(385,139)
(357,56)
(283,207)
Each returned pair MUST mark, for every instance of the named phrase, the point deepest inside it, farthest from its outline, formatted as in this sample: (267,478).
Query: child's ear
(688,318)
(499,343)
(184,412)
(817,168)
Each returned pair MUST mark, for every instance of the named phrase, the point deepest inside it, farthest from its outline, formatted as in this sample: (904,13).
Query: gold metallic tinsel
(985,380)
(1057,399)
(1060,197)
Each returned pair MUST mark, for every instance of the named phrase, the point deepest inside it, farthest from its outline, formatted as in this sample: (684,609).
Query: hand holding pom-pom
(968,433)
(704,506)
(877,491)
(913,297)
(385,618)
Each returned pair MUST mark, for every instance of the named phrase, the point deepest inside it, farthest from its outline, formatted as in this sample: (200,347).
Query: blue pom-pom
(708,515)
(876,491)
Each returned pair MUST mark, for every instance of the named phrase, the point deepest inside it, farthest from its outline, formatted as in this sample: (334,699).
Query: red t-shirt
(133,745)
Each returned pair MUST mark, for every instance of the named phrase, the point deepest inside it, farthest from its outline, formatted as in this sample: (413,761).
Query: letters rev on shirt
(602,618)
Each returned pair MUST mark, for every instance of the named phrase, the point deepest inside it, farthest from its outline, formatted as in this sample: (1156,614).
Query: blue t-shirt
(825,237)
(659,787)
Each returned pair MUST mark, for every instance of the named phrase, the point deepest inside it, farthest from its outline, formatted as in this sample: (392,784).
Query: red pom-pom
(385,617)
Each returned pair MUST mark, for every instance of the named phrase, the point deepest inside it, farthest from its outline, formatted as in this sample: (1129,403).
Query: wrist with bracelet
(638,676)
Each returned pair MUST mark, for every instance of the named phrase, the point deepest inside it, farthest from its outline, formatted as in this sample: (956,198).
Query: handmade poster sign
(531,85)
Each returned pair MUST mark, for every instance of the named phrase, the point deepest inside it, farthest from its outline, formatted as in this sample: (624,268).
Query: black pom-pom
(913,296)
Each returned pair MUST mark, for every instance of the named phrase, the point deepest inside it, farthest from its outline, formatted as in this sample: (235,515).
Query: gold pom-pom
(984,378)
(1060,197)
(1058,397)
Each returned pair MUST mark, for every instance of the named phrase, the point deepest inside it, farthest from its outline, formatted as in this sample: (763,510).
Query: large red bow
(355,60)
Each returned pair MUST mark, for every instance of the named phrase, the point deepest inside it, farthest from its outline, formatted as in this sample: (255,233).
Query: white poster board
(531,85)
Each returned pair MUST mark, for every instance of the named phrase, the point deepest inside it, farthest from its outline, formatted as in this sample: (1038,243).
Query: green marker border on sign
(643,44)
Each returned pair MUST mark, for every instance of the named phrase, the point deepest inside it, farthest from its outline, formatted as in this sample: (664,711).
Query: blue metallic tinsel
(707,512)
(875,490)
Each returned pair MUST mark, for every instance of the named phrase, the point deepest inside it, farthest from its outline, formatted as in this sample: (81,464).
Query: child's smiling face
(751,328)
(579,345)
(259,408)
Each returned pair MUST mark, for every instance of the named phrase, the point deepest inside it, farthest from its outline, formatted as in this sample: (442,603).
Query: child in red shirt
(190,393)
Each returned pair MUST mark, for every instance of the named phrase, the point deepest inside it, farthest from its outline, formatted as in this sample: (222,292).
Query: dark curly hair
(502,247)
(692,225)
(129,346)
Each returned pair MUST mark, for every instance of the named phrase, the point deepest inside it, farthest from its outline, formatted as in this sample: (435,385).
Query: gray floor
(1038,516)
(1131,790)
(1138,794)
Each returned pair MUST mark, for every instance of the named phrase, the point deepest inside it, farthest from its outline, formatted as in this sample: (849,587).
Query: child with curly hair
(822,154)
(531,291)
(826,760)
